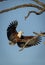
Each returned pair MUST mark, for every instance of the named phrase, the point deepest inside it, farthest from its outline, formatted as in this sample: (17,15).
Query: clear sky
(10,55)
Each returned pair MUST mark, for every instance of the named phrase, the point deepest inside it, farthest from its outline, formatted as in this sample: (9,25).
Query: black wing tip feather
(12,28)
(13,24)
(39,38)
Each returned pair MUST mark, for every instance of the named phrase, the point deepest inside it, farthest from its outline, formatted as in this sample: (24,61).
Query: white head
(20,34)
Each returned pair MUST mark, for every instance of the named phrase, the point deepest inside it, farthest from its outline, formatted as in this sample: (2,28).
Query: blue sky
(10,55)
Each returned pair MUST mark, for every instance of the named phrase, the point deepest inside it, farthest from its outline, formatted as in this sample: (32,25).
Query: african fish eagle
(18,37)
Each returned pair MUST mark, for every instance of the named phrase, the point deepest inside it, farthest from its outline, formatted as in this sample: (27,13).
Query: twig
(37,13)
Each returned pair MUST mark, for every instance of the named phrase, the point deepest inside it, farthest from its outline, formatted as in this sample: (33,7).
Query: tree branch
(37,13)
(41,8)
(21,6)
(40,3)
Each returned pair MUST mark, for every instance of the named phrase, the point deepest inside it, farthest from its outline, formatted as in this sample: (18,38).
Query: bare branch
(21,6)
(40,3)
(41,8)
(37,13)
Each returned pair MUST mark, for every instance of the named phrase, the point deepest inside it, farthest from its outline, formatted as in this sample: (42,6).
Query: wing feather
(12,28)
(31,42)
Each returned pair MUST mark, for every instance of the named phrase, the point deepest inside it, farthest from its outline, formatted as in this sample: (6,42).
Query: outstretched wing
(12,28)
(32,42)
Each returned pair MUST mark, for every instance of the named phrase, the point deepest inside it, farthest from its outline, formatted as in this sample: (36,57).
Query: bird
(21,40)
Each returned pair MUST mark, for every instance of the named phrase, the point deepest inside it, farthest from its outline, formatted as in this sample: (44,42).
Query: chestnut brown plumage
(13,37)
